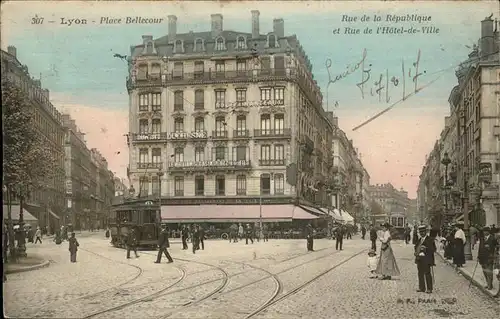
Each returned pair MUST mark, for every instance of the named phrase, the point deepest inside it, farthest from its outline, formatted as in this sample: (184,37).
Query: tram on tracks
(398,222)
(141,214)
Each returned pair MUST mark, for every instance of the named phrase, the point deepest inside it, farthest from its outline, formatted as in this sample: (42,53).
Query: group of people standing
(197,235)
(247,232)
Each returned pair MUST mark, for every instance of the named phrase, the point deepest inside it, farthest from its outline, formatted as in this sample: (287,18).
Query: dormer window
(240,43)
(179,47)
(271,41)
(199,45)
(149,47)
(220,44)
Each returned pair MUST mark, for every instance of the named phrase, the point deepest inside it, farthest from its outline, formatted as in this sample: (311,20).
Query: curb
(470,279)
(30,268)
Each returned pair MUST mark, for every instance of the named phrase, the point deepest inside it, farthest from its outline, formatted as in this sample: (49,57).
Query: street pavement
(234,280)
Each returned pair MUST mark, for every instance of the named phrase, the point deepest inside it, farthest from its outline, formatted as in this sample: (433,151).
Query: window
(198,45)
(199,69)
(240,43)
(279,65)
(271,41)
(199,154)
(156,101)
(239,153)
(220,68)
(219,44)
(179,125)
(179,186)
(279,184)
(156,156)
(143,127)
(279,96)
(241,66)
(199,124)
(199,100)
(143,186)
(220,99)
(279,123)
(220,185)
(178,46)
(265,124)
(155,185)
(199,185)
(265,65)
(178,101)
(156,126)
(279,153)
(143,102)
(179,155)
(265,94)
(241,97)
(241,125)
(178,70)
(265,184)
(220,125)
(143,155)
(241,185)
(265,152)
(219,153)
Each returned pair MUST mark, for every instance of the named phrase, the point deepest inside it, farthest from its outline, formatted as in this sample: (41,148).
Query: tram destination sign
(218,163)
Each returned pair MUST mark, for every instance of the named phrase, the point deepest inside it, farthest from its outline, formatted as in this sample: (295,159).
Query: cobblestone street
(234,281)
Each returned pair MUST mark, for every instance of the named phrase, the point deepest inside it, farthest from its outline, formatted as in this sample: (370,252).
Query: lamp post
(160,175)
(446,161)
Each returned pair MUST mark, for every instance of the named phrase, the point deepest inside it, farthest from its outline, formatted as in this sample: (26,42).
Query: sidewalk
(32,262)
(477,277)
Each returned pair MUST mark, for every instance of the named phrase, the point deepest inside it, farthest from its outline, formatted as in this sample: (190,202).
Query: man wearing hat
(424,258)
(163,244)
(486,255)
(459,245)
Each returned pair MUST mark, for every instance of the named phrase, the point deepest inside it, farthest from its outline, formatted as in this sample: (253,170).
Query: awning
(313,210)
(346,216)
(15,213)
(232,213)
(52,213)
(334,213)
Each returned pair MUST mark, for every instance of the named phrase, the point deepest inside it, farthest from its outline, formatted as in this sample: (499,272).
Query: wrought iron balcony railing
(270,133)
(271,162)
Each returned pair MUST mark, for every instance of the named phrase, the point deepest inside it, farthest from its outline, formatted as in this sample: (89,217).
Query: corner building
(215,118)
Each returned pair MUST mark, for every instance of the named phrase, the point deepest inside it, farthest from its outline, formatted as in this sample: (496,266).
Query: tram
(398,222)
(143,215)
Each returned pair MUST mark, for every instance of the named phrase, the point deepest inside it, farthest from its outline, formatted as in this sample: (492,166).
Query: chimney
(487,41)
(216,24)
(279,27)
(172,28)
(255,24)
(12,50)
(329,116)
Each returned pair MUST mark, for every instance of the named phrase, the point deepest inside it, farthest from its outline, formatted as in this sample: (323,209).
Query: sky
(75,62)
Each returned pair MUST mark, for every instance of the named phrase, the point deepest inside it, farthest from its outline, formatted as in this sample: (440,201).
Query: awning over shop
(52,213)
(346,217)
(232,213)
(334,213)
(313,210)
(15,213)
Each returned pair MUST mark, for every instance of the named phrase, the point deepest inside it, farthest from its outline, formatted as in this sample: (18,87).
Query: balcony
(199,106)
(178,107)
(219,135)
(241,133)
(272,133)
(157,165)
(151,137)
(272,162)
(219,165)
(179,192)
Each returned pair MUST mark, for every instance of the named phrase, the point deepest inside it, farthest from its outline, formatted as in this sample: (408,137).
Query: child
(372,263)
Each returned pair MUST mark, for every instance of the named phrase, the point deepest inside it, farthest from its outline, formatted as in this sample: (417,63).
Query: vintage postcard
(251,159)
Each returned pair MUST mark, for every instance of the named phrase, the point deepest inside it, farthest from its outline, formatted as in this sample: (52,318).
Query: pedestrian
(424,258)
(339,237)
(407,234)
(240,231)
(184,237)
(38,235)
(372,263)
(233,233)
(473,233)
(201,236)
(57,237)
(132,243)
(387,266)
(486,255)
(248,234)
(458,246)
(310,237)
(163,245)
(256,232)
(73,247)
(195,239)
(30,235)
(265,233)
(415,237)
(107,233)
(373,237)
(363,232)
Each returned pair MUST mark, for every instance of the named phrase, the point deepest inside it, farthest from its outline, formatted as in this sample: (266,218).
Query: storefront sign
(69,187)
(148,137)
(485,172)
(263,103)
(186,135)
(228,201)
(219,163)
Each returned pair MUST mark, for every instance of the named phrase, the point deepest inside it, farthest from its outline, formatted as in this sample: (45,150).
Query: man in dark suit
(486,255)
(310,237)
(184,236)
(163,244)
(201,234)
(132,243)
(339,237)
(424,258)
(373,237)
(195,239)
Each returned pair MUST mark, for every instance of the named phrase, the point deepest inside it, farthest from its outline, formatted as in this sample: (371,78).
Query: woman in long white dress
(387,266)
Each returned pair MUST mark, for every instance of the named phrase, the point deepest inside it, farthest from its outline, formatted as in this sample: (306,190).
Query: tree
(376,208)
(28,164)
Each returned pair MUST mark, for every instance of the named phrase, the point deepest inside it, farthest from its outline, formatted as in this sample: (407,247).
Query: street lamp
(160,175)
(446,161)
